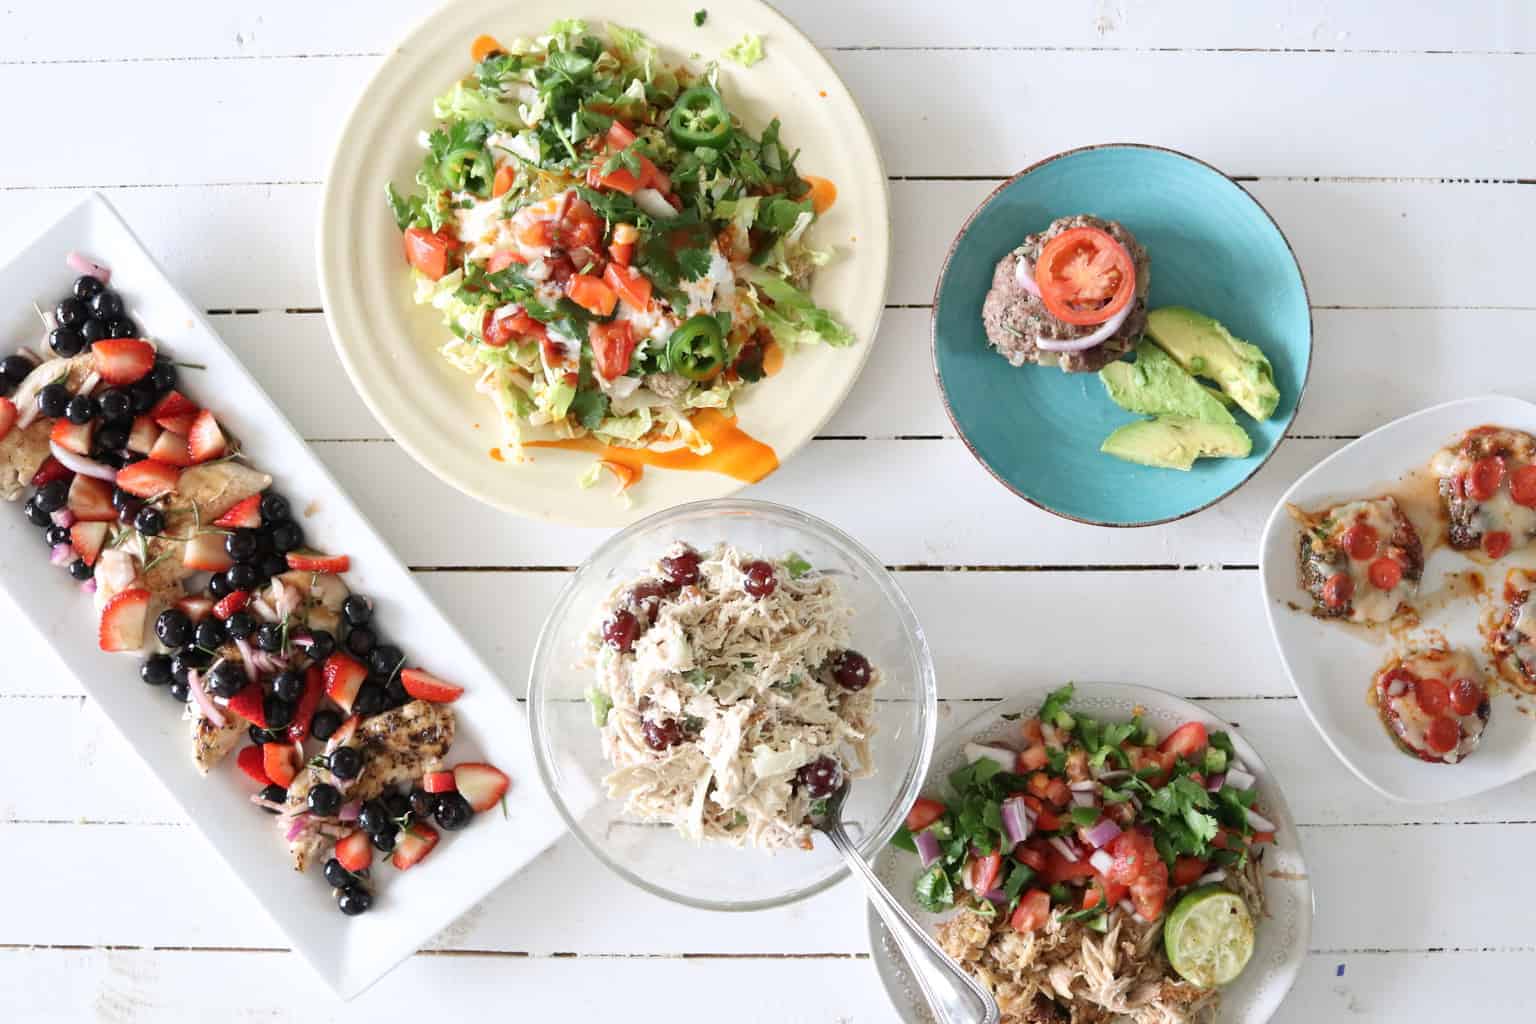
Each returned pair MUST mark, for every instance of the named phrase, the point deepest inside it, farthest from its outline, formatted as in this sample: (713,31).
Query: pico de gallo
(1081,819)
(612,248)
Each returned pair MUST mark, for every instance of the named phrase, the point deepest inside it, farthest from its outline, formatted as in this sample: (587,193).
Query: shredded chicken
(742,690)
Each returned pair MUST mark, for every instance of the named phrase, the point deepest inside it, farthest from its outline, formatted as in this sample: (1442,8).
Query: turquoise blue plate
(1212,248)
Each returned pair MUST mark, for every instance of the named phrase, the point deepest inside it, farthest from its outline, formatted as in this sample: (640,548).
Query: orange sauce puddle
(773,359)
(823,193)
(496,455)
(734,452)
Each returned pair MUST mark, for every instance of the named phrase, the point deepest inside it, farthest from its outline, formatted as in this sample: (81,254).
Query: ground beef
(1013,318)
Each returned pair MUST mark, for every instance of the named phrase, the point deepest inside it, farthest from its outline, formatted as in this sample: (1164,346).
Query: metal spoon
(954,997)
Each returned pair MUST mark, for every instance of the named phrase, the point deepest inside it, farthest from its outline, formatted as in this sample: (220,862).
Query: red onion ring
(1087,341)
(87,266)
(80,464)
(244,647)
(1024,276)
(205,703)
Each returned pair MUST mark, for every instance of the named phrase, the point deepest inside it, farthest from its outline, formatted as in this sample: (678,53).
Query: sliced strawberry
(196,608)
(51,469)
(231,603)
(148,479)
(314,689)
(247,703)
(413,845)
(72,437)
(427,687)
(206,439)
(355,852)
(438,782)
(142,437)
(91,500)
(122,621)
(171,449)
(252,762)
(344,733)
(172,405)
(318,563)
(88,539)
(282,762)
(482,784)
(343,675)
(123,361)
(205,552)
(245,514)
(178,424)
(8,416)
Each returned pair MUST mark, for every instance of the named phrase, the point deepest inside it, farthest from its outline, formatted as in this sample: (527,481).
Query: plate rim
(1278,520)
(933,334)
(618,516)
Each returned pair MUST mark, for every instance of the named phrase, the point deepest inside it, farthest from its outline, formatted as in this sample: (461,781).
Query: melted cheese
(1411,723)
(1370,604)
(1500,513)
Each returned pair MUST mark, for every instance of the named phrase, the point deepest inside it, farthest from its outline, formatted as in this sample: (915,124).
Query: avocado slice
(1205,348)
(1154,384)
(1175,442)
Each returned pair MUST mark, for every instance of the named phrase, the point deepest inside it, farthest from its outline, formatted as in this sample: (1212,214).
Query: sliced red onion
(1005,759)
(300,638)
(296,829)
(80,464)
(350,810)
(1239,779)
(1101,833)
(62,517)
(1064,847)
(1081,799)
(247,658)
(89,586)
(1083,786)
(205,703)
(1098,337)
(61,554)
(1212,877)
(263,610)
(1024,274)
(927,848)
(998,896)
(1259,823)
(1017,821)
(87,266)
(653,204)
(1101,861)
(89,384)
(1215,782)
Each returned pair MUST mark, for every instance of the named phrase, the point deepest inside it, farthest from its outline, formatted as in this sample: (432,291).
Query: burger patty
(1471,519)
(1321,555)
(1014,318)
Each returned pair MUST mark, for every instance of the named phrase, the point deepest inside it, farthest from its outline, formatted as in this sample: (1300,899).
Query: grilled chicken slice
(397,746)
(212,743)
(21,453)
(216,487)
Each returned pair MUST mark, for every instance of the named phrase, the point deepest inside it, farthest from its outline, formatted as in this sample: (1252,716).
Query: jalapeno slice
(699,118)
(697,348)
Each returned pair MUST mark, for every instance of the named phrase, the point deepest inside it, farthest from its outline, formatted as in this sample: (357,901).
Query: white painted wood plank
(103,30)
(1304,114)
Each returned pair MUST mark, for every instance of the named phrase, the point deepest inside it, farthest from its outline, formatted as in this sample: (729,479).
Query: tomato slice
(1466,696)
(1150,891)
(1085,276)
(924,813)
(1187,871)
(1497,544)
(631,285)
(1385,573)
(591,294)
(1187,741)
(580,228)
(1361,541)
(1337,590)
(1045,818)
(1522,486)
(429,252)
(612,346)
(1486,476)
(983,871)
(1033,912)
(1133,852)
(1434,696)
(1442,735)
(502,260)
(1033,758)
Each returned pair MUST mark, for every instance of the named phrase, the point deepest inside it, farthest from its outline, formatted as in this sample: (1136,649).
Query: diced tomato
(1442,735)
(630,285)
(1522,486)
(1486,476)
(502,260)
(580,227)
(1386,573)
(612,346)
(1033,759)
(1058,793)
(483,47)
(1497,544)
(1058,869)
(1187,871)
(1150,890)
(1466,696)
(1045,818)
(1433,695)
(1132,851)
(502,183)
(1033,911)
(536,234)
(623,253)
(1187,741)
(1032,731)
(1337,590)
(1038,784)
(1104,891)
(619,135)
(1030,857)
(591,294)
(1260,838)
(981,873)
(429,252)
(1361,541)
(924,813)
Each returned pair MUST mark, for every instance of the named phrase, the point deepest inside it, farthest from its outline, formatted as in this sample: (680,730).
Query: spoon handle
(954,997)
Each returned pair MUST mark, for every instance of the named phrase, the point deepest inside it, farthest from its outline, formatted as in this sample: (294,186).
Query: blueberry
(357,610)
(156,670)
(163,376)
(325,800)
(112,437)
(116,404)
(240,545)
(259,735)
(274,508)
(228,679)
(150,521)
(241,576)
(105,305)
(94,330)
(143,396)
(271,565)
(179,689)
(51,496)
(321,645)
(274,794)
(384,660)
(360,641)
(129,511)
(70,312)
(279,712)
(218,585)
(325,723)
(123,327)
(55,535)
(287,537)
(337,876)
(81,410)
(240,625)
(396,804)
(53,400)
(452,811)
(174,628)
(269,637)
(395,695)
(370,699)
(80,571)
(15,368)
(423,803)
(346,762)
(384,841)
(188,659)
(288,685)
(373,818)
(209,633)
(354,900)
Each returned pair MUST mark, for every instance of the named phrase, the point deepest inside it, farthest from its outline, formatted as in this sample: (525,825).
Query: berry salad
(199,569)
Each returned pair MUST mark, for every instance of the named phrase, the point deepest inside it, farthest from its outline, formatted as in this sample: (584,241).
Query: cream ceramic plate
(1281,942)
(388,345)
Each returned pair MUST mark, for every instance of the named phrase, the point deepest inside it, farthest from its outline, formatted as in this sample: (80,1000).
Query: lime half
(1209,936)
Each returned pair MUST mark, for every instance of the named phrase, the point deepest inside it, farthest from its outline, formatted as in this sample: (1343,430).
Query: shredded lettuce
(794,318)
(472,104)
(630,428)
(557,400)
(747,51)
(632,44)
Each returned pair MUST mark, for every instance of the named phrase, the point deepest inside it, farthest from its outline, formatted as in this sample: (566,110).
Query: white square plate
(348,953)
(1331,664)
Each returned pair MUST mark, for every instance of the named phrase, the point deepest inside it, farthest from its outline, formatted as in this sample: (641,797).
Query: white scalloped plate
(1281,943)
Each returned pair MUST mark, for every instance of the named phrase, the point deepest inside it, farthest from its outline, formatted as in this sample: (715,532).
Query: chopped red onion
(1064,847)
(1101,861)
(62,554)
(81,264)
(1087,341)
(1214,783)
(1101,833)
(1239,779)
(296,829)
(89,384)
(349,811)
(62,517)
(1017,821)
(1259,823)
(1080,799)
(998,896)
(1004,758)
(247,658)
(89,586)
(653,204)
(1212,877)
(80,464)
(205,703)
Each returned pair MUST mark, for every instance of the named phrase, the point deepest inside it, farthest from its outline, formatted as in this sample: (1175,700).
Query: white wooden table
(1394,144)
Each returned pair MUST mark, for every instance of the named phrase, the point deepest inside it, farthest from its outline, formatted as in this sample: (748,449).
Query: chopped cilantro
(699,16)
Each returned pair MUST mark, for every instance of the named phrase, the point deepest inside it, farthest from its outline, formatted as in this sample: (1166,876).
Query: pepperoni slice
(1361,541)
(1497,544)
(1337,590)
(1522,486)
(1442,735)
(1486,476)
(1434,696)
(1385,573)
(1466,696)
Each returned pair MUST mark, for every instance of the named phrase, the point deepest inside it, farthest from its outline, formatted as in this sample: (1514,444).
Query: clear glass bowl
(654,857)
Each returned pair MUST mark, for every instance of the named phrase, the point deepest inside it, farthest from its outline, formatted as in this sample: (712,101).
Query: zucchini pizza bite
(1513,638)
(1359,560)
(1433,703)
(1488,487)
